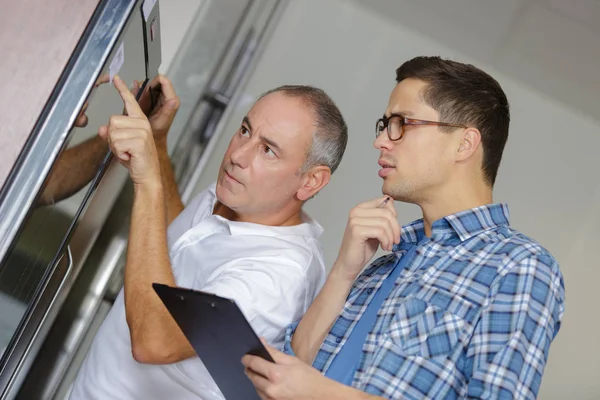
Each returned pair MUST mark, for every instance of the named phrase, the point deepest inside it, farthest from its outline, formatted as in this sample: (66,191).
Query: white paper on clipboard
(116,63)
(147,8)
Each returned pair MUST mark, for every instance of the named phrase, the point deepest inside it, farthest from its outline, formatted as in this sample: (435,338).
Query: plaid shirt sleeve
(509,347)
(289,334)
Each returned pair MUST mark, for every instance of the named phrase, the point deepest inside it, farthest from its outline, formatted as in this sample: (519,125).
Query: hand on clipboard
(288,378)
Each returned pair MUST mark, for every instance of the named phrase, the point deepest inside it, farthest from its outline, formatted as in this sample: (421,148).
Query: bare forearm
(75,168)
(173,202)
(151,327)
(320,316)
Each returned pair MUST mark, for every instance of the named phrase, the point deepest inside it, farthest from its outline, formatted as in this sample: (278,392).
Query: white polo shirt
(273,274)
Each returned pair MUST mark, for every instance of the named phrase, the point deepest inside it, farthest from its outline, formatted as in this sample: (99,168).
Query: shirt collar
(309,227)
(464,224)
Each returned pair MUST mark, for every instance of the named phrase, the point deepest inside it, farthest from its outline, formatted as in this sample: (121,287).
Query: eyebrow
(401,114)
(246,121)
(271,143)
(268,141)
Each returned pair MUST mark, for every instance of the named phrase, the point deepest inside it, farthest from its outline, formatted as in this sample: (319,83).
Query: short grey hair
(331,136)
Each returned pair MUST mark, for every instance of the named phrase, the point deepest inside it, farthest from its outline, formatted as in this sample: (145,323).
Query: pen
(384,202)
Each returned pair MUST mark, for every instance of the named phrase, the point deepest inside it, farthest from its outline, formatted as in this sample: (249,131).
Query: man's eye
(244,132)
(269,152)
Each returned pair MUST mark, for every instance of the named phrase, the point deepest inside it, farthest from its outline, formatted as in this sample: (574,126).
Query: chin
(389,188)
(227,198)
(222,194)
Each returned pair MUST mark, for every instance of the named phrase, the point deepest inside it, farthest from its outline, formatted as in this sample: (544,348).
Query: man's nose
(242,155)
(382,141)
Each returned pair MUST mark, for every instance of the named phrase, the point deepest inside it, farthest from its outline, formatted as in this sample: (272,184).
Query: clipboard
(219,333)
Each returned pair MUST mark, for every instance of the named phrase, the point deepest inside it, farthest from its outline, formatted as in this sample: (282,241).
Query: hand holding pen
(371,224)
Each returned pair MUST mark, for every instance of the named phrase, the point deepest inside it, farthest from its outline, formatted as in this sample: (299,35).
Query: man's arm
(321,315)
(74,169)
(76,166)
(155,337)
(512,338)
(161,118)
(173,202)
(370,224)
(290,378)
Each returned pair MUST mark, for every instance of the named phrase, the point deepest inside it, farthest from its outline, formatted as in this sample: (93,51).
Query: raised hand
(370,224)
(131,140)
(162,115)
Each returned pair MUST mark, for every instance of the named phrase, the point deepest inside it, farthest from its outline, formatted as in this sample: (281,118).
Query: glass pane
(69,183)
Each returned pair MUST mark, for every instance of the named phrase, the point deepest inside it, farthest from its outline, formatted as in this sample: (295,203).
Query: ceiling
(551,45)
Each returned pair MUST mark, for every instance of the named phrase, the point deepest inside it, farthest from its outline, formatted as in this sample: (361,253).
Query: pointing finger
(131,105)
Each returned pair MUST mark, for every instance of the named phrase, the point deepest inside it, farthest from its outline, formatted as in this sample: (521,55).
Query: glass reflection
(63,192)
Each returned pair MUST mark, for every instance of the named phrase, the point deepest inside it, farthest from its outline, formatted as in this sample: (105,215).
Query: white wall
(176,17)
(548,176)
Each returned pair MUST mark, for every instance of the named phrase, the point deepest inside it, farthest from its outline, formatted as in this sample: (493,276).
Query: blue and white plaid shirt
(472,315)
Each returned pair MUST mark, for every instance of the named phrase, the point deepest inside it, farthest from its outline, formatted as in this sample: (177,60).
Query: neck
(283,217)
(452,200)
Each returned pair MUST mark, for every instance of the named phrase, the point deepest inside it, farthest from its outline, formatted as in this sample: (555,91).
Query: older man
(245,237)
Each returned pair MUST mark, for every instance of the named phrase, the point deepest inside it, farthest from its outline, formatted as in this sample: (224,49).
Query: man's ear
(470,142)
(313,180)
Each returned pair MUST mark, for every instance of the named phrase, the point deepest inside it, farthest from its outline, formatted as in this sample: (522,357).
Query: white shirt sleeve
(270,291)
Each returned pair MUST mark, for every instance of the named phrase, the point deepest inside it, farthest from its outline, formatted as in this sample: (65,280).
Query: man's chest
(200,251)
(428,316)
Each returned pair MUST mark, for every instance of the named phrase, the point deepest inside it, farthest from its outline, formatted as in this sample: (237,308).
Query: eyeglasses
(395,125)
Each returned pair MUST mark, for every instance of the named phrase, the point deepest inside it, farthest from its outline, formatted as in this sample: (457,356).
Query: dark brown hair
(464,94)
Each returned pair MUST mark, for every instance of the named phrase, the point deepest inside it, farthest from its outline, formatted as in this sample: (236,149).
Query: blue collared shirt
(471,315)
